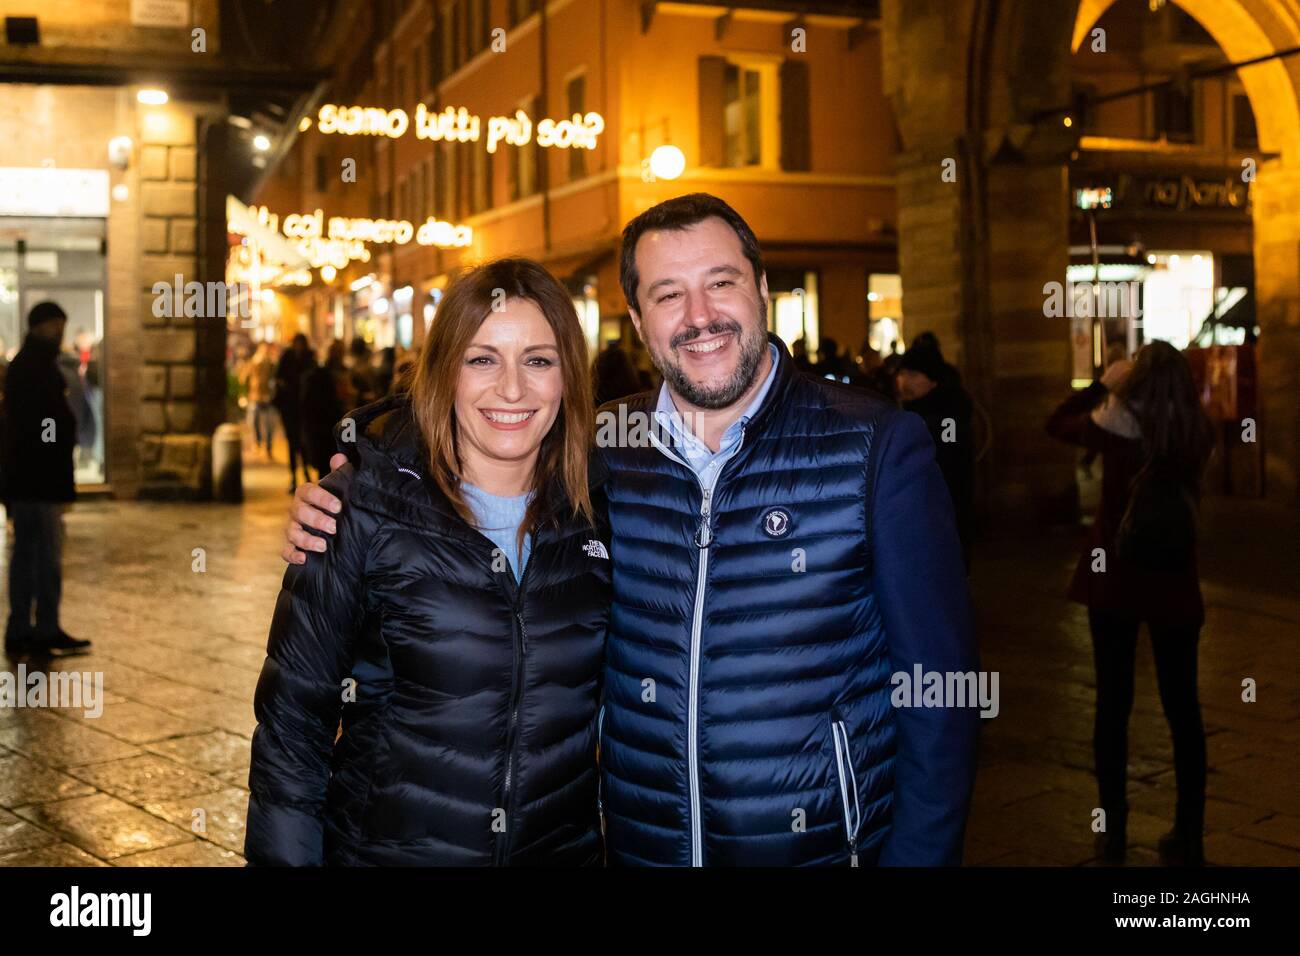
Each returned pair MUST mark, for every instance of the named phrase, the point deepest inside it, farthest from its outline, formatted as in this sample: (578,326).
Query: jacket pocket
(848,783)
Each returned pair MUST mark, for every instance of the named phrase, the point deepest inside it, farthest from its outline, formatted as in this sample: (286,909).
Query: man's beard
(752,342)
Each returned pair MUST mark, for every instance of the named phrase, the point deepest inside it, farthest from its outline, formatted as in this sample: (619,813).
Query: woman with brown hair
(456,624)
(1139,564)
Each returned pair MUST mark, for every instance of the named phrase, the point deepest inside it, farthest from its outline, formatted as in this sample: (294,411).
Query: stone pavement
(160,778)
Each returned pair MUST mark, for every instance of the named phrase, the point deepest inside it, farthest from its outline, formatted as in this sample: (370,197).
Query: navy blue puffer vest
(747,716)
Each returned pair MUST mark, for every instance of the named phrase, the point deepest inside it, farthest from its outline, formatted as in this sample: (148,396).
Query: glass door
(62,260)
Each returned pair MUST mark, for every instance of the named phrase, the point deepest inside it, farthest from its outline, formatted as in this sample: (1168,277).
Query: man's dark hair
(44,312)
(681,212)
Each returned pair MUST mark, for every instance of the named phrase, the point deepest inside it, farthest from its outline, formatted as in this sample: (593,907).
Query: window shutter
(711,122)
(796,139)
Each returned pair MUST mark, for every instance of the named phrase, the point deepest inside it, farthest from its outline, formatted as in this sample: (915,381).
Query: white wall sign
(49,191)
(160,13)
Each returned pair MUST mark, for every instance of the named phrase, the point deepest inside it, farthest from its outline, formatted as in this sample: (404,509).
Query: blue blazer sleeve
(920,585)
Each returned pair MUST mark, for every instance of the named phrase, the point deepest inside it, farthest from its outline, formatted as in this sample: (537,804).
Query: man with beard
(778,564)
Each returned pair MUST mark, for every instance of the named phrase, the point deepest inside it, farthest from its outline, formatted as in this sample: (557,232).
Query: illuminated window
(884,312)
(742,116)
(793,312)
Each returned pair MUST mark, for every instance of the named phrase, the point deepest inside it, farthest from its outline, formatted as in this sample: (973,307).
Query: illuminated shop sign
(433,232)
(461,126)
(338,240)
(1208,191)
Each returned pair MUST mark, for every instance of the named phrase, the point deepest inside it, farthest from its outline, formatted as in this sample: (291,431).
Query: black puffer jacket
(472,737)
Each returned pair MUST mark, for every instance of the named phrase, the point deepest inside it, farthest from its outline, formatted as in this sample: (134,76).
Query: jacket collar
(786,375)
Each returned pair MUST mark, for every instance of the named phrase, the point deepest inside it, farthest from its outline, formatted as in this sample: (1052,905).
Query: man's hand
(312,508)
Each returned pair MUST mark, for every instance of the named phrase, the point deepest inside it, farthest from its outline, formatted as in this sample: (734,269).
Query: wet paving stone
(147,777)
(57,742)
(19,836)
(194,853)
(24,781)
(217,817)
(104,826)
(212,752)
(140,723)
(59,854)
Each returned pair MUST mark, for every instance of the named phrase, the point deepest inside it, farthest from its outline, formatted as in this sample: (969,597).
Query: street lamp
(667,162)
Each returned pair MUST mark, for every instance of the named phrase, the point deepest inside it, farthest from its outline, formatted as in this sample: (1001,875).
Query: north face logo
(596,549)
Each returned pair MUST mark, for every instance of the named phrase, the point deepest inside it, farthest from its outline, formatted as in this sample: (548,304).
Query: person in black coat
(456,624)
(931,387)
(326,394)
(293,367)
(39,436)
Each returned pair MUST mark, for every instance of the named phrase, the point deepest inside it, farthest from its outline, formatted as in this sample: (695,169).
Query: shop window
(884,312)
(793,310)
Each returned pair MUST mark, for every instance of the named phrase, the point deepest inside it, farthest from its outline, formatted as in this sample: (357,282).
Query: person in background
(294,365)
(930,387)
(326,395)
(256,376)
(403,371)
(831,364)
(870,371)
(385,371)
(361,373)
(613,375)
(1139,564)
(799,354)
(40,434)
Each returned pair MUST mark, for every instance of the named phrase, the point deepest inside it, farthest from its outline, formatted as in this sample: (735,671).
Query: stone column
(175,457)
(1277,291)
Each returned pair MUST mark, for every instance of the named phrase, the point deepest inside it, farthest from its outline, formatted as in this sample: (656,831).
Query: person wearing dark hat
(40,434)
(929,386)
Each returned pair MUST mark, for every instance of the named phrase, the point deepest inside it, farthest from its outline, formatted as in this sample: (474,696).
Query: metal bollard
(227,464)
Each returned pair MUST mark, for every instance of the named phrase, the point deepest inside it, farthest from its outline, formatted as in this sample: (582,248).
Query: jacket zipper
(703,538)
(519,636)
(847,778)
(600,768)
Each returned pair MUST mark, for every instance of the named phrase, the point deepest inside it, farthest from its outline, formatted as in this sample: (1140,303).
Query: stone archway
(966,79)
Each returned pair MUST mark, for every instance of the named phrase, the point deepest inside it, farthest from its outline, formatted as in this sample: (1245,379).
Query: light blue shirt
(499,519)
(703,461)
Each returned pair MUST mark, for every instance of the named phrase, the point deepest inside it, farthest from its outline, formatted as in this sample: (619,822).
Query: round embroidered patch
(777,523)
